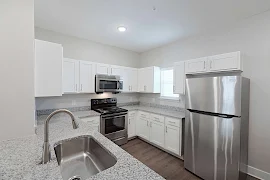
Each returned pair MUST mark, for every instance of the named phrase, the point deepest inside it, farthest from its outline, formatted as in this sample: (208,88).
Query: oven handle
(107,117)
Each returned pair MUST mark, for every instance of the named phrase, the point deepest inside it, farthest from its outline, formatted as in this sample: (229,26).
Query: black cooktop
(106,106)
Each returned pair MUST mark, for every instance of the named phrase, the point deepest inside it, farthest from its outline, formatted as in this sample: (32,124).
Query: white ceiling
(97,20)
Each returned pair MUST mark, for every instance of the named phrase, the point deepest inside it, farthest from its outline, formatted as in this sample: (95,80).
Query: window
(167,84)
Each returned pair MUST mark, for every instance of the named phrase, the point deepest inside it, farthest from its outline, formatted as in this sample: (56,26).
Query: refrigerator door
(220,94)
(212,146)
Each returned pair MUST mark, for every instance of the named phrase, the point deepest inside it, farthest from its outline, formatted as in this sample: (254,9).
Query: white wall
(252,38)
(82,49)
(16,68)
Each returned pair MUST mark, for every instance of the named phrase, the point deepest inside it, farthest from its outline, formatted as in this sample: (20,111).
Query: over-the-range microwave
(108,83)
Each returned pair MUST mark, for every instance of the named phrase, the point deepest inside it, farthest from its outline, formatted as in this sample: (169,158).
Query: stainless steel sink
(82,157)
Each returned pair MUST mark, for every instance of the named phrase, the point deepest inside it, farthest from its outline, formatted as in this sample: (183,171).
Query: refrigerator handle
(212,114)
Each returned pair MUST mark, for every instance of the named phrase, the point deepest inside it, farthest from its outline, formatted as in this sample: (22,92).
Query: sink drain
(75,178)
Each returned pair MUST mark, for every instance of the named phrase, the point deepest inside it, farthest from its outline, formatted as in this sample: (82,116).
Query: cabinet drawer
(157,118)
(143,115)
(131,113)
(173,122)
(92,120)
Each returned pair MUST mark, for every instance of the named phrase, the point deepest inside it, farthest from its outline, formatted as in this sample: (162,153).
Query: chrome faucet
(46,155)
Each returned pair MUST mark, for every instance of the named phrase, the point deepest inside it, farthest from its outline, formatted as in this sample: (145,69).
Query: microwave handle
(118,84)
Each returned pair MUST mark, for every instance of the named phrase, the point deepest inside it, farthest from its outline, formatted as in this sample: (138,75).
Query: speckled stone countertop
(160,111)
(20,158)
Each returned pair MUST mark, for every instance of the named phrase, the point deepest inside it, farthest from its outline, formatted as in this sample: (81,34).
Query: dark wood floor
(166,165)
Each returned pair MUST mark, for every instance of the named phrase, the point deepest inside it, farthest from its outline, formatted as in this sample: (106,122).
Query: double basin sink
(82,157)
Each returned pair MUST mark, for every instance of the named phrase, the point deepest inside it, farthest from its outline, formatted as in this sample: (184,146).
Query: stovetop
(110,110)
(106,106)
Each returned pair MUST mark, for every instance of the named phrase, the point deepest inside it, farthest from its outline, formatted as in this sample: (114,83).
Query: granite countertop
(20,158)
(155,110)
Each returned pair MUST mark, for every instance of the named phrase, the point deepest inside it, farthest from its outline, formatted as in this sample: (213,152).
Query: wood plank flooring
(164,164)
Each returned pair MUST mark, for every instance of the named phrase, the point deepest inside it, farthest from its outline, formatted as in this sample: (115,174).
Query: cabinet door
(133,77)
(127,81)
(103,69)
(179,78)
(116,70)
(157,133)
(143,128)
(172,139)
(87,77)
(70,75)
(148,79)
(131,126)
(225,62)
(141,81)
(48,69)
(196,66)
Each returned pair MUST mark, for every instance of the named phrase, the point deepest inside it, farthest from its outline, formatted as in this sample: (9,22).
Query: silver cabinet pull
(210,64)
(173,88)
(166,129)
(81,87)
(128,121)
(131,88)
(111,70)
(107,71)
(76,87)
(204,64)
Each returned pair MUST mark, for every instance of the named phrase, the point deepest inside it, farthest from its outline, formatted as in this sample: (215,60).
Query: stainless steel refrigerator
(216,127)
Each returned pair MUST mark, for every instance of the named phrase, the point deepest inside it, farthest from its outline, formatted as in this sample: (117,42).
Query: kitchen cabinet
(132,124)
(149,79)
(173,135)
(116,70)
(157,130)
(78,76)
(103,69)
(179,78)
(196,65)
(70,75)
(130,78)
(217,63)
(87,77)
(142,127)
(93,122)
(48,69)
(225,62)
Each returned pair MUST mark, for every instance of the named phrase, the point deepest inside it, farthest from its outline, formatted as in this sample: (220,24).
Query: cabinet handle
(166,129)
(204,64)
(81,87)
(174,88)
(111,70)
(171,122)
(76,87)
(107,71)
(128,121)
(211,64)
(131,88)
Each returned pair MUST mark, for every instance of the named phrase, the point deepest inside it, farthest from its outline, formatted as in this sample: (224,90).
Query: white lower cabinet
(132,124)
(93,122)
(173,135)
(165,132)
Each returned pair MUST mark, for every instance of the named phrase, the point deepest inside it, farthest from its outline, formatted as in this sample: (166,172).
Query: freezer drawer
(221,94)
(212,146)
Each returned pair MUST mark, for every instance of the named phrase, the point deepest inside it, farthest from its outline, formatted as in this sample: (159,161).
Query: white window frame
(161,86)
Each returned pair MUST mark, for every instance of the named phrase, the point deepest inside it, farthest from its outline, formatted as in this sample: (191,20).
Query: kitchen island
(20,158)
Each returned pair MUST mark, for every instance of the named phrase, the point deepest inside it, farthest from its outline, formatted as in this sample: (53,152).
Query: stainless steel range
(113,123)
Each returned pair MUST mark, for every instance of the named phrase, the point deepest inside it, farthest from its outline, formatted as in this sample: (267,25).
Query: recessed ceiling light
(122,28)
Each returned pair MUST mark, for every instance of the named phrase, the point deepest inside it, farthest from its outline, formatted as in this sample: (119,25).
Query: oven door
(114,126)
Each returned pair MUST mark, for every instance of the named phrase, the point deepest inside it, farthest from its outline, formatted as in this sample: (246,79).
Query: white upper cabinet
(130,78)
(87,77)
(217,63)
(70,75)
(103,69)
(225,62)
(78,76)
(116,70)
(149,79)
(196,65)
(48,69)
(179,78)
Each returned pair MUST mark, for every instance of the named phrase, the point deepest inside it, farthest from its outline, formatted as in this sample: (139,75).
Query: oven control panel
(103,101)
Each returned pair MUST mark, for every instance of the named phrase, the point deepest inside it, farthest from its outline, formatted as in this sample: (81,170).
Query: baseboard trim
(257,173)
